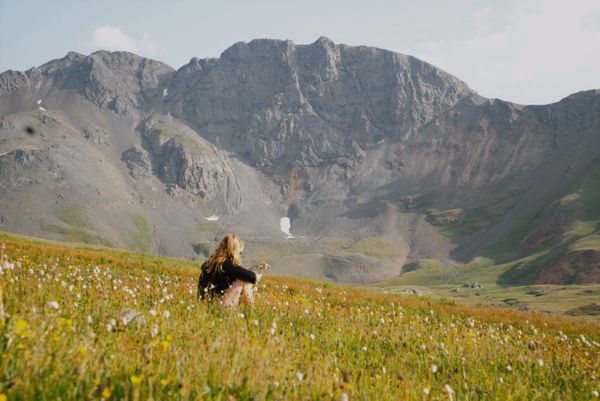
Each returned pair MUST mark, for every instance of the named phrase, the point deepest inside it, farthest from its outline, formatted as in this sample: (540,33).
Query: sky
(524,51)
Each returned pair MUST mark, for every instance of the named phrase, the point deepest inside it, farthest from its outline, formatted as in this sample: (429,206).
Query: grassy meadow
(97,324)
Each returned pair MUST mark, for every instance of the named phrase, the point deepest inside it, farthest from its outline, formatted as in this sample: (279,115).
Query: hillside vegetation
(92,323)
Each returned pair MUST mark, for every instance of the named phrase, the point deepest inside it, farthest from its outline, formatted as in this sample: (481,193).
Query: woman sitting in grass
(222,277)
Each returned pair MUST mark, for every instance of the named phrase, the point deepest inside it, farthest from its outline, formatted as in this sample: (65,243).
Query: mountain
(379,159)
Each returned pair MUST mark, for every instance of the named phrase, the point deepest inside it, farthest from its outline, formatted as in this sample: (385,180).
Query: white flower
(501,379)
(448,389)
(153,312)
(53,305)
(595,394)
(256,322)
(90,319)
(509,368)
(166,314)
(312,336)
(272,331)
(299,376)
(109,327)
(540,362)
(434,368)
(241,315)
(154,330)
(344,397)
(275,384)
(425,391)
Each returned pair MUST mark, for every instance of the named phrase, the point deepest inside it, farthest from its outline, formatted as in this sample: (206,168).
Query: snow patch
(41,108)
(39,101)
(165,92)
(285,224)
(214,217)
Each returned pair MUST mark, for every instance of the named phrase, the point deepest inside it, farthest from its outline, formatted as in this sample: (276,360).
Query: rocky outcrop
(138,162)
(576,267)
(179,159)
(116,81)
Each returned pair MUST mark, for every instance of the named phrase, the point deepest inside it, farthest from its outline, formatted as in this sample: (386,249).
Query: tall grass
(81,323)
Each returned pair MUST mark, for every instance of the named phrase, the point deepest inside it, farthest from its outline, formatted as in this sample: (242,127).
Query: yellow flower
(106,393)
(165,345)
(137,379)
(3,397)
(21,324)
(164,382)
(82,350)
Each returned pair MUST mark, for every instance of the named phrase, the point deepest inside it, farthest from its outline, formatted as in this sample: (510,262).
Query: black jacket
(215,283)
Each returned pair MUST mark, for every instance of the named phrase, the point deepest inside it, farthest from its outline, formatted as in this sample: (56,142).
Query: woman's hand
(263,266)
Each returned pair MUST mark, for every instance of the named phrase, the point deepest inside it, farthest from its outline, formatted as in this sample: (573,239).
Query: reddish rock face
(578,267)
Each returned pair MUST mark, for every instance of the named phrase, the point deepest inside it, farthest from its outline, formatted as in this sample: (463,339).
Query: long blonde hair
(230,247)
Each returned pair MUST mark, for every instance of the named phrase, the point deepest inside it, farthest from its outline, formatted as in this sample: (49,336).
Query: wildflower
(426,390)
(166,314)
(164,382)
(540,363)
(106,393)
(153,312)
(255,322)
(154,330)
(241,315)
(434,368)
(136,379)
(299,376)
(21,325)
(344,397)
(53,305)
(595,394)
(109,327)
(275,384)
(509,368)
(312,336)
(449,391)
(501,379)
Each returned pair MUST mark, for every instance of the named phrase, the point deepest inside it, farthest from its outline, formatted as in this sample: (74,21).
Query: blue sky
(527,51)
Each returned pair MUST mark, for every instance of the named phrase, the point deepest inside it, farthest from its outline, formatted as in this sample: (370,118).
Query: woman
(222,276)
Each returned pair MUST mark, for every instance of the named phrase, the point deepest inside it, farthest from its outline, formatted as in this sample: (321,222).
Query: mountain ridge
(352,143)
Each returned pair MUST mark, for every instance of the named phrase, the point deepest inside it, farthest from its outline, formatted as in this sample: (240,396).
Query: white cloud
(550,49)
(112,38)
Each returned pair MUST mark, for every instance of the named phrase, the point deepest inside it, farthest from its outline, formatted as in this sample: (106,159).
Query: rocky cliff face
(309,105)
(352,143)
